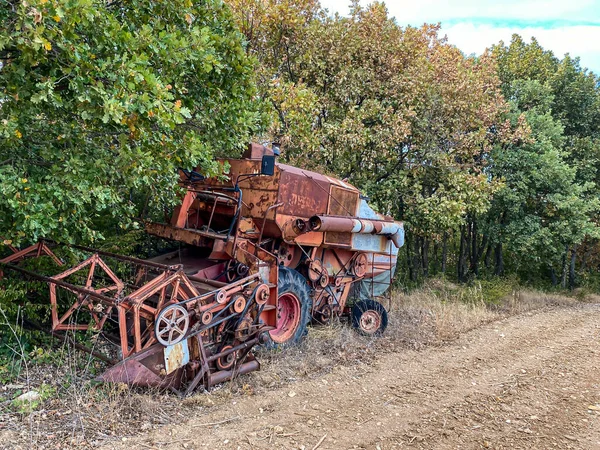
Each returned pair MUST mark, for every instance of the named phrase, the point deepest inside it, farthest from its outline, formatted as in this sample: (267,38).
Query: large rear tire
(294,306)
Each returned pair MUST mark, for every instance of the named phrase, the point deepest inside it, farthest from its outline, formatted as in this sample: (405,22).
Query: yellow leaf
(23,180)
(56,18)
(47,45)
(178,104)
(188,18)
(18,134)
(7,242)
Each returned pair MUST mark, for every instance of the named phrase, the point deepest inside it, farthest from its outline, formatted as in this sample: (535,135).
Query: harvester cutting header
(265,250)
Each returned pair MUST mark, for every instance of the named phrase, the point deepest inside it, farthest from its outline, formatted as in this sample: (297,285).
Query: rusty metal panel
(259,192)
(342,201)
(257,202)
(373,243)
(176,356)
(256,151)
(302,196)
(338,239)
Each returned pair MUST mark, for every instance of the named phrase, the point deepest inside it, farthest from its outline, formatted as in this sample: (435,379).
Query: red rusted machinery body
(265,249)
(317,225)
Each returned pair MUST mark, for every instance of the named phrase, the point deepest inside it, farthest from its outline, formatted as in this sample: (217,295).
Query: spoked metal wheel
(171,325)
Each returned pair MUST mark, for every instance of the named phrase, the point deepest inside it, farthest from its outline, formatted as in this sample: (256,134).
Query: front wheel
(369,317)
(294,306)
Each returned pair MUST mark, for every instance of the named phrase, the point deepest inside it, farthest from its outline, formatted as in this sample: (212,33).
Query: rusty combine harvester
(264,251)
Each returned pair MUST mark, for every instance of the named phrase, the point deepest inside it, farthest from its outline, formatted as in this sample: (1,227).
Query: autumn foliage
(481,156)
(101,101)
(492,160)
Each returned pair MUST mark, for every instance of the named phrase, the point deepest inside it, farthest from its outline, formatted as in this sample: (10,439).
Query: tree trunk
(409,259)
(488,256)
(462,254)
(444,251)
(589,248)
(468,241)
(499,260)
(572,267)
(425,256)
(553,276)
(563,282)
(482,246)
(477,250)
(436,250)
(416,262)
(474,250)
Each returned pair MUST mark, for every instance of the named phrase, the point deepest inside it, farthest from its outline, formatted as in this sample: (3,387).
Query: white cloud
(421,11)
(582,41)
(466,29)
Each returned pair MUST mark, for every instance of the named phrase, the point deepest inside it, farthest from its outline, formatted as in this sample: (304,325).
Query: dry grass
(437,313)
(84,415)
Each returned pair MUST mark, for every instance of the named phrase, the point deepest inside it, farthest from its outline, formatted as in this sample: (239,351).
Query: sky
(563,26)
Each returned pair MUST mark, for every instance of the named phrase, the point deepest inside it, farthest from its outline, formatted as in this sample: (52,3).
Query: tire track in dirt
(523,382)
(540,402)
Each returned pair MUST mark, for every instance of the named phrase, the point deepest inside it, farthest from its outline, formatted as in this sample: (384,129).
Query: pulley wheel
(239,304)
(325,314)
(324,280)
(262,294)
(360,265)
(244,329)
(207,317)
(289,255)
(226,362)
(231,270)
(171,325)
(221,296)
(315,270)
(242,270)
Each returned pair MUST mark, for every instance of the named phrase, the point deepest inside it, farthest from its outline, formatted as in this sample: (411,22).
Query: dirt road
(529,381)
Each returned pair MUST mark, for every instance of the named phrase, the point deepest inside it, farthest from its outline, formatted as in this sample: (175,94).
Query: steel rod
(139,261)
(61,283)
(242,346)
(208,281)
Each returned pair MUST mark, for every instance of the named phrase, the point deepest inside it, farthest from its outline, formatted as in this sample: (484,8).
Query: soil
(529,381)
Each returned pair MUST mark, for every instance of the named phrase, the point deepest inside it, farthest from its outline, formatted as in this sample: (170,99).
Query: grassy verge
(434,314)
